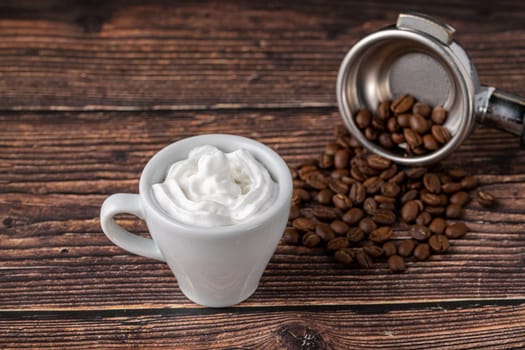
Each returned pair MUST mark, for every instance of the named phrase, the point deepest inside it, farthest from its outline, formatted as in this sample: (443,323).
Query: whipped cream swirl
(212,188)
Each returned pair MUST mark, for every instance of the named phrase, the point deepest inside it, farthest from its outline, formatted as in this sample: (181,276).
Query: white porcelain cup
(217,266)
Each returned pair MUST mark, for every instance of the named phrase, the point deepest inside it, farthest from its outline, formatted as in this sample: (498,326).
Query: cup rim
(179,150)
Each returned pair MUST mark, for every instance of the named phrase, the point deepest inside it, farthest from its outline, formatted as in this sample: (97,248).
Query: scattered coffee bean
(422,251)
(441,134)
(486,199)
(389,248)
(438,243)
(291,236)
(396,263)
(402,104)
(363,118)
(422,109)
(351,202)
(406,247)
(310,239)
(344,256)
(339,227)
(437,226)
(381,234)
(419,232)
(456,230)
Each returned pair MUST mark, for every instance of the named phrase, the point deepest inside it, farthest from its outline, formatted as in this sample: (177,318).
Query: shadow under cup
(216,266)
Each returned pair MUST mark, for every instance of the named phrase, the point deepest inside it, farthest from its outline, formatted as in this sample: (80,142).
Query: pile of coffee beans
(411,127)
(363,208)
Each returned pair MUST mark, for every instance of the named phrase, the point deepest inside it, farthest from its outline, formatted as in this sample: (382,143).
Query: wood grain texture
(128,55)
(447,326)
(59,168)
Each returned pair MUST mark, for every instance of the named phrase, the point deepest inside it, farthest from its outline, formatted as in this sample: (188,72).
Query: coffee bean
(373,184)
(370,206)
(456,230)
(339,227)
(355,234)
(367,225)
(384,217)
(326,161)
(363,259)
(419,232)
(302,194)
(381,234)
(412,138)
(430,198)
(363,118)
(422,109)
(331,148)
(310,239)
(445,178)
(457,173)
(469,182)
(484,198)
(393,126)
(383,110)
(410,211)
(435,210)
(390,189)
(324,231)
(341,201)
(324,212)
(338,186)
(341,158)
(406,247)
(389,248)
(324,196)
(371,134)
(432,183)
(443,199)
(385,140)
(291,236)
(422,251)
(316,180)
(353,216)
(402,104)
(409,195)
(387,206)
(304,224)
(453,211)
(357,193)
(378,162)
(398,178)
(437,226)
(396,263)
(438,243)
(379,198)
(441,134)
(294,212)
(439,115)
(338,243)
(418,124)
(424,219)
(451,187)
(430,143)
(388,173)
(415,173)
(344,256)
(378,123)
(298,183)
(398,138)
(460,198)
(338,174)
(373,251)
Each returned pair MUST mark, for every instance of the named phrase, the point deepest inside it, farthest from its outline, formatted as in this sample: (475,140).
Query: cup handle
(122,203)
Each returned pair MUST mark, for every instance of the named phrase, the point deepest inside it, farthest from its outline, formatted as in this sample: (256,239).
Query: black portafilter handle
(506,111)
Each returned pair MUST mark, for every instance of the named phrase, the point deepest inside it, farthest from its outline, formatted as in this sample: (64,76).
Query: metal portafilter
(418,56)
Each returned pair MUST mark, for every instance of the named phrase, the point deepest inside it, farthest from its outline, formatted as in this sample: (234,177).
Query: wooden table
(90,91)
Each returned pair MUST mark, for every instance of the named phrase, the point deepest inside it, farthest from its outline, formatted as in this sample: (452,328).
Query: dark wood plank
(57,169)
(131,55)
(433,326)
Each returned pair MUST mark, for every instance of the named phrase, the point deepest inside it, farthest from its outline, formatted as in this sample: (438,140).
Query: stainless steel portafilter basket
(418,56)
